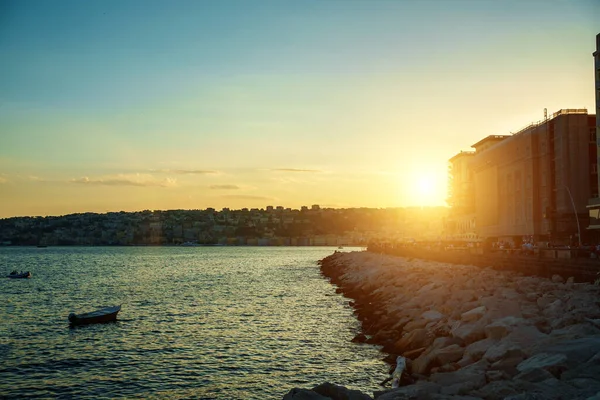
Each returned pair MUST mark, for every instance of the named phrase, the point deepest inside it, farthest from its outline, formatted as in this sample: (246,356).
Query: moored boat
(107,314)
(19,275)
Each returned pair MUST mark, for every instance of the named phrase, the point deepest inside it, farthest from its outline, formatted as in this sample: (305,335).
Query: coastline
(471,331)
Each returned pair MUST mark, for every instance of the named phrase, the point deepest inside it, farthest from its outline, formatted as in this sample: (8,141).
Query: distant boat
(107,314)
(340,247)
(17,275)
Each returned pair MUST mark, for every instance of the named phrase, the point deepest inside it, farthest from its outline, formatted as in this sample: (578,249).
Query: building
(594,202)
(460,223)
(535,184)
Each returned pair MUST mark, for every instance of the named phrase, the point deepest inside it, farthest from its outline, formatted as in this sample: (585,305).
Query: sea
(196,323)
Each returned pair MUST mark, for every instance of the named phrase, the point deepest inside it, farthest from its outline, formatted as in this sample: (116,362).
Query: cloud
(296,170)
(225,187)
(126,180)
(247,197)
(3,179)
(187,171)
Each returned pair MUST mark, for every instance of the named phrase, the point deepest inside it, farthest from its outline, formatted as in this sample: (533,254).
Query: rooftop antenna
(545,114)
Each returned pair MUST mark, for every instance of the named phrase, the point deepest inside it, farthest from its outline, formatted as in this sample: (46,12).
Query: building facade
(460,223)
(532,185)
(594,202)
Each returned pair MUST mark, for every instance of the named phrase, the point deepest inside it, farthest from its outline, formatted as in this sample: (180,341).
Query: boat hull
(24,275)
(96,317)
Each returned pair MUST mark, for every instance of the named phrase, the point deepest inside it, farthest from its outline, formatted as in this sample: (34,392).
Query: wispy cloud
(247,197)
(314,171)
(126,180)
(187,171)
(225,187)
(3,179)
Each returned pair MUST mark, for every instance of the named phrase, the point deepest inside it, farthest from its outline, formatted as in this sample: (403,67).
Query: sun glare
(427,189)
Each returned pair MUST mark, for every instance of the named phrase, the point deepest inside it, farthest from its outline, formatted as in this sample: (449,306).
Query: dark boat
(17,275)
(107,314)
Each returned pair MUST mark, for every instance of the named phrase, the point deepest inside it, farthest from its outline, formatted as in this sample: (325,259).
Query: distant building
(460,223)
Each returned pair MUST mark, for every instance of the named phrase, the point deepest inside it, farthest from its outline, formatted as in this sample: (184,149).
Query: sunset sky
(133,105)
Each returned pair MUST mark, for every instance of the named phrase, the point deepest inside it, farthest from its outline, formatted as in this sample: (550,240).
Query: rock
(476,350)
(413,340)
(553,363)
(554,310)
(503,326)
(441,342)
(499,308)
(550,389)
(499,390)
(432,315)
(545,301)
(303,394)
(557,279)
(495,375)
(473,314)
(416,324)
(578,351)
(336,392)
(470,332)
(569,283)
(448,354)
(459,382)
(534,375)
(502,350)
(412,354)
(420,390)
(360,338)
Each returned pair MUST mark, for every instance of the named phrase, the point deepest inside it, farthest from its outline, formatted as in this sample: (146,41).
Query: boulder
(502,350)
(303,394)
(413,340)
(473,314)
(336,392)
(419,390)
(553,363)
(459,382)
(503,326)
(476,350)
(432,315)
(470,332)
(534,375)
(578,351)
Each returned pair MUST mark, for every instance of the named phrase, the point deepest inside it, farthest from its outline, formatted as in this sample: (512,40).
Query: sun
(425,186)
(428,189)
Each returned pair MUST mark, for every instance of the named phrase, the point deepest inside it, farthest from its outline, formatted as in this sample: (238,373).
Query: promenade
(544,262)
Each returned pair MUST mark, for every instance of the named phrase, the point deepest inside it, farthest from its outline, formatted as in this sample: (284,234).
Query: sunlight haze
(133,105)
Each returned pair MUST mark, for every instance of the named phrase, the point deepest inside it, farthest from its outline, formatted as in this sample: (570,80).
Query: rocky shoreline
(468,332)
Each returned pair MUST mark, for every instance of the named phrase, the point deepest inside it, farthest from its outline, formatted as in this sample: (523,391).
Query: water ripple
(208,323)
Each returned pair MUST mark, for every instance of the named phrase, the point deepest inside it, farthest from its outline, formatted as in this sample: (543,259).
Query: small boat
(19,275)
(107,314)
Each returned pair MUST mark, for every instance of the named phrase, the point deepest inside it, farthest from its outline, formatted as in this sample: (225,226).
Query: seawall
(468,330)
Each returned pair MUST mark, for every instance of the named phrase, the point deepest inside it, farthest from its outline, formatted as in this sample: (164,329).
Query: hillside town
(271,226)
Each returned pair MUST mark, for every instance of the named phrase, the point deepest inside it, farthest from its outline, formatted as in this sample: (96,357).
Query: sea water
(196,322)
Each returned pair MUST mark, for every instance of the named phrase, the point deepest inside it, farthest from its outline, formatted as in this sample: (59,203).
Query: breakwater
(471,331)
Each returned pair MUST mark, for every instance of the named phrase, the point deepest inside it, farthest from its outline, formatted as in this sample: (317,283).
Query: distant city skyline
(133,105)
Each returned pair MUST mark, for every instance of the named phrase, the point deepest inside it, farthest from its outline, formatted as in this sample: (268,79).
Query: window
(594,168)
(593,135)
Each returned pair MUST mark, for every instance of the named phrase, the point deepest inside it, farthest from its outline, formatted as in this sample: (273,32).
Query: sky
(132,105)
